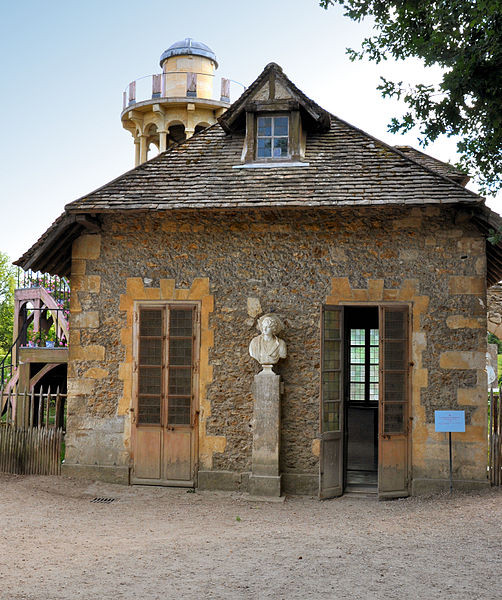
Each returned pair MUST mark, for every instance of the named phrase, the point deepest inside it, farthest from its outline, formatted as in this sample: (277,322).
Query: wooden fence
(32,426)
(495,438)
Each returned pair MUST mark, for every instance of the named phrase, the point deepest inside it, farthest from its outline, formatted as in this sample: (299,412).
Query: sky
(64,66)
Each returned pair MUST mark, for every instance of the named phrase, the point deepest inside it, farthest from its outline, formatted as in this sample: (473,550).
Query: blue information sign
(449,420)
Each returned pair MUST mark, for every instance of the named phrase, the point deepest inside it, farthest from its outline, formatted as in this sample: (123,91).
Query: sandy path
(167,543)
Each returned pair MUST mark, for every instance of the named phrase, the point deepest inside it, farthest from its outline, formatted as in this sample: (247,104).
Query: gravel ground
(153,542)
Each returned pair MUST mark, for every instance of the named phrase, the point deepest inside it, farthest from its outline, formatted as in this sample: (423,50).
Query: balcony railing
(180,84)
(58,287)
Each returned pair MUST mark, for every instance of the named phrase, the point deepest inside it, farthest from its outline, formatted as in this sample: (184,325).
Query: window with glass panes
(165,365)
(363,365)
(272,137)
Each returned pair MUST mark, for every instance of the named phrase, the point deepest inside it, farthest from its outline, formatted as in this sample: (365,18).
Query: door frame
(409,415)
(194,411)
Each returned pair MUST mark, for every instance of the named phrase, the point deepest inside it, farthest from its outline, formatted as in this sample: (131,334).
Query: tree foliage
(464,37)
(7,283)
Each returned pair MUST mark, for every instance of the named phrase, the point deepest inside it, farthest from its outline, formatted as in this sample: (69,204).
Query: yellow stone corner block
(462,322)
(80,386)
(375,289)
(78,266)
(316,447)
(74,337)
(85,320)
(340,289)
(460,284)
(124,404)
(126,336)
(360,295)
(86,283)
(208,446)
(390,295)
(87,247)
(199,288)
(75,306)
(92,352)
(408,289)
(167,289)
(96,373)
(135,288)
(152,293)
(452,359)
(126,302)
(125,371)
(420,378)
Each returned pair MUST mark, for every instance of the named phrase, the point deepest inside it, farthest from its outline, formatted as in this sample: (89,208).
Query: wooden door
(331,456)
(394,409)
(165,413)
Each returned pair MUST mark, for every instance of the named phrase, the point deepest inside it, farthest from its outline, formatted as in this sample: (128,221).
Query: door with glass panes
(364,400)
(165,414)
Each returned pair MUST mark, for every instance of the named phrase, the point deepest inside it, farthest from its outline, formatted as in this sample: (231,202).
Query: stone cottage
(374,258)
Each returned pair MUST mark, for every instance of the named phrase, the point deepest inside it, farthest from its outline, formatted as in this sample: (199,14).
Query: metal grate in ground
(103,500)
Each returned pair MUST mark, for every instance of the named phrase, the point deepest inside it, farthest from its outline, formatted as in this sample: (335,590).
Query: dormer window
(275,117)
(272,134)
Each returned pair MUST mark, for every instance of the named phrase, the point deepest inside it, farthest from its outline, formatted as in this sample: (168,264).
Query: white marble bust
(267,348)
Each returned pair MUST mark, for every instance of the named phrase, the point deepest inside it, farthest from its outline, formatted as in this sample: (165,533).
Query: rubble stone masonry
(290,261)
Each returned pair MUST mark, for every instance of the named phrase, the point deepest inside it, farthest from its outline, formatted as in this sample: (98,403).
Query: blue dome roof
(188,46)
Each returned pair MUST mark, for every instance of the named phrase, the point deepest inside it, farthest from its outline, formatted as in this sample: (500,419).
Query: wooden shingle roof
(343,166)
(436,165)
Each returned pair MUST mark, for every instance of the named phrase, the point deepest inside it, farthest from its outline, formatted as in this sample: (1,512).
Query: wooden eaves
(52,252)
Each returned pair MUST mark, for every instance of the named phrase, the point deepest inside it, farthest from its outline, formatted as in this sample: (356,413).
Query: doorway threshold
(361,491)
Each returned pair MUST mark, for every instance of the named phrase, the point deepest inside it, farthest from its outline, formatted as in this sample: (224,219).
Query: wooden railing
(32,426)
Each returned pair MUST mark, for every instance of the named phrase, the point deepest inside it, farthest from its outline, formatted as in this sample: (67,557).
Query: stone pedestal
(265,479)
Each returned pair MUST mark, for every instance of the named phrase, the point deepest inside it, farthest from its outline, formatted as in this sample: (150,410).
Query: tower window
(272,137)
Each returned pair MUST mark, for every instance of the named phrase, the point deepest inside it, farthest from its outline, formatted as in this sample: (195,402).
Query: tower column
(190,122)
(162,141)
(136,152)
(143,149)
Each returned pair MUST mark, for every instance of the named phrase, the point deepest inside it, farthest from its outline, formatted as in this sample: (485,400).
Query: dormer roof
(273,89)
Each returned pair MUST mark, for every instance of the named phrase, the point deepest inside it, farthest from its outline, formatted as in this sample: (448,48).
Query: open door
(394,393)
(331,457)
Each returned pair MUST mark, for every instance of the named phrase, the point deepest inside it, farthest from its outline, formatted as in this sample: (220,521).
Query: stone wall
(289,262)
(495,310)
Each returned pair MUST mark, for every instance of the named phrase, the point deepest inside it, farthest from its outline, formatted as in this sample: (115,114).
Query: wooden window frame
(273,137)
(254,110)
(367,364)
(166,307)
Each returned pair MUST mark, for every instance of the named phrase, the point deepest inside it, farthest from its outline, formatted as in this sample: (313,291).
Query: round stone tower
(168,107)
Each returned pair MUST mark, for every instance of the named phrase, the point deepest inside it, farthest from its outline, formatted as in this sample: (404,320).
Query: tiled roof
(436,165)
(345,167)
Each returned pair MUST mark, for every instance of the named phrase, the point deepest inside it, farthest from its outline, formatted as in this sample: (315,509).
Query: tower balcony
(167,108)
(180,87)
